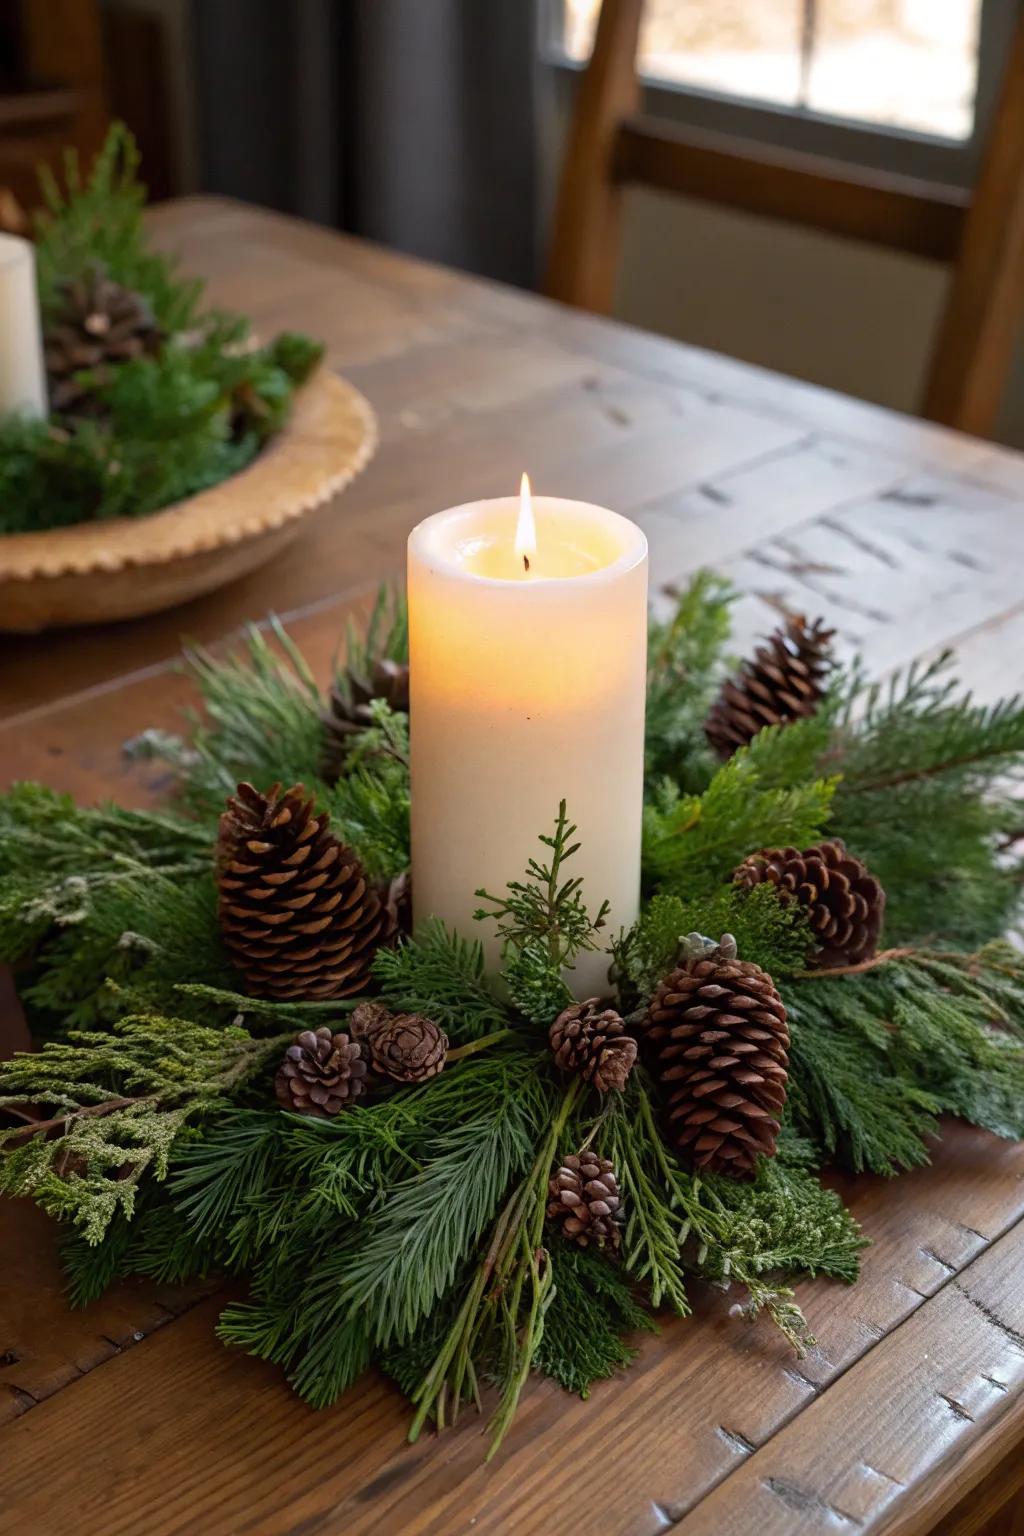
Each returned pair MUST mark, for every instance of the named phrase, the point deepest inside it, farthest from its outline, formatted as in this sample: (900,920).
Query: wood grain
(909,535)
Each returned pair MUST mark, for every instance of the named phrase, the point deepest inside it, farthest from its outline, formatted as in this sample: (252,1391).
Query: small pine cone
(783,681)
(718,1041)
(368,1017)
(585,1201)
(408,1048)
(98,325)
(297,914)
(322,1073)
(592,1042)
(349,712)
(845,903)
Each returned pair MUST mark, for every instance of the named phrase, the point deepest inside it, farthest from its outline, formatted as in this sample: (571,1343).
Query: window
(904,84)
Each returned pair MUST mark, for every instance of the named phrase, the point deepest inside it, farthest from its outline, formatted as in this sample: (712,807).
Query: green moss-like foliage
(166,426)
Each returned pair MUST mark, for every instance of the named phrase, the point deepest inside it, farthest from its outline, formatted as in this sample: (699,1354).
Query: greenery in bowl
(160,427)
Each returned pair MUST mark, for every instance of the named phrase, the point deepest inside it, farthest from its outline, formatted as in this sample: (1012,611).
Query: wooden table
(129,1418)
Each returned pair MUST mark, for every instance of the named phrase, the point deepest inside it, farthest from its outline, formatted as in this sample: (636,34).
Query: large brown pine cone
(718,1041)
(322,1073)
(349,712)
(591,1041)
(98,325)
(407,1047)
(584,1201)
(783,681)
(845,903)
(297,913)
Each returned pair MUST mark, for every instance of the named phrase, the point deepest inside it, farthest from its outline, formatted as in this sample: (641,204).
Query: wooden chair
(611,145)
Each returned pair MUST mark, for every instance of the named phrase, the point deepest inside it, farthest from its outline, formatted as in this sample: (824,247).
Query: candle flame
(526,528)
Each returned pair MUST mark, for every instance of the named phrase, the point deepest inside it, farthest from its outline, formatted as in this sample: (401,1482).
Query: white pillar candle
(22,376)
(528,672)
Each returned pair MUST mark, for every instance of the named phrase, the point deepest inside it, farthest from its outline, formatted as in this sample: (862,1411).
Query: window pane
(750,48)
(904,63)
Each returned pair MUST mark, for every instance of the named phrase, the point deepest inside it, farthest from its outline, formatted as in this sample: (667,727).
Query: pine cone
(98,325)
(844,902)
(367,1017)
(297,914)
(349,710)
(718,1041)
(783,681)
(585,1201)
(593,1043)
(322,1073)
(407,1047)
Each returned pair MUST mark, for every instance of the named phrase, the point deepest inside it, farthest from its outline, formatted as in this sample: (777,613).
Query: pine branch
(681,681)
(694,842)
(261,720)
(442,975)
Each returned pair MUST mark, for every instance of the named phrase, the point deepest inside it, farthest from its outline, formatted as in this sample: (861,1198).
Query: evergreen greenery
(411,1231)
(166,426)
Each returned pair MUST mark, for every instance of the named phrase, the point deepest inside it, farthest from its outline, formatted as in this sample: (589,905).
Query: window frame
(925,156)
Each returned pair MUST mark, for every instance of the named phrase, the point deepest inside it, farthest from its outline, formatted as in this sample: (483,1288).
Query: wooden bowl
(94,572)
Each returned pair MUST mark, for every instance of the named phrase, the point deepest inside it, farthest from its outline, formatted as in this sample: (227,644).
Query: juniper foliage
(115,1103)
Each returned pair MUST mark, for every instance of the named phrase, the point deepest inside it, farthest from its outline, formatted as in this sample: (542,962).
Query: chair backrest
(612,145)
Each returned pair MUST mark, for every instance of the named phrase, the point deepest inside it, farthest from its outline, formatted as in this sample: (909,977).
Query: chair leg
(976,336)
(583,254)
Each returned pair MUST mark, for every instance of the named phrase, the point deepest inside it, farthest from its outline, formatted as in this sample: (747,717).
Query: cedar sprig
(772,934)
(543,920)
(782,1225)
(692,843)
(111,1107)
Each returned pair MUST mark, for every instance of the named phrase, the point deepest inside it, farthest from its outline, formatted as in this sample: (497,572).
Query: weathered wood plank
(44,1345)
(868,1453)
(204,1436)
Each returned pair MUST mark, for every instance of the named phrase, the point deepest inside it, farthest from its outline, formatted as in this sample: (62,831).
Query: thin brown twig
(43,1127)
(886,957)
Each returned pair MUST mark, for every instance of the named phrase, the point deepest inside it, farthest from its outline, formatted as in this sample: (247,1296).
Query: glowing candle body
(528,682)
(22,377)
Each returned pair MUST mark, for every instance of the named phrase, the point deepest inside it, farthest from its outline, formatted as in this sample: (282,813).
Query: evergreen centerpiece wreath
(248,1064)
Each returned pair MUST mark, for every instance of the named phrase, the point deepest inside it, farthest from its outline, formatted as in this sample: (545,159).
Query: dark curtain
(408,121)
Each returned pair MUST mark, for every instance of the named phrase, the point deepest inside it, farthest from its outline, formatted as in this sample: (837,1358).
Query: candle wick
(526,562)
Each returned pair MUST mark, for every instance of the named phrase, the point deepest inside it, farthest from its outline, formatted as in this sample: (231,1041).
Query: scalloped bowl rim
(330,435)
